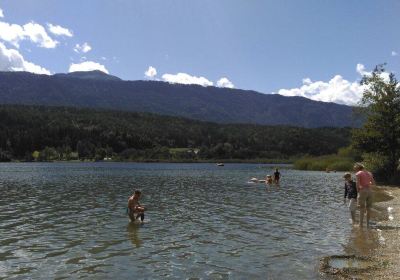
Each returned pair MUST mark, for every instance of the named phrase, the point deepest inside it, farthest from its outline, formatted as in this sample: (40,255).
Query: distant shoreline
(286,162)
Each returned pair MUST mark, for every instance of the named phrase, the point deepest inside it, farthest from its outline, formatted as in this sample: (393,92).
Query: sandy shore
(372,253)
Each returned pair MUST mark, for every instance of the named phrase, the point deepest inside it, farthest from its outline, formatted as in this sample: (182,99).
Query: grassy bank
(331,162)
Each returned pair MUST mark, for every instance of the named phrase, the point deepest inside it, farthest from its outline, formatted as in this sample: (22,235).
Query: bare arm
(372,179)
(131,204)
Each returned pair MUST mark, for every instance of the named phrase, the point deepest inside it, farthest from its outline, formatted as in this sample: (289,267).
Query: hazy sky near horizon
(313,48)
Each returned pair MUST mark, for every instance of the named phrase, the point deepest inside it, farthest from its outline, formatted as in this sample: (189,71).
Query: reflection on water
(133,233)
(363,242)
(68,220)
(349,263)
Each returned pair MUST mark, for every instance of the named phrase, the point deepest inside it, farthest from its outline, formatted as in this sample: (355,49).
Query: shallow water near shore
(63,220)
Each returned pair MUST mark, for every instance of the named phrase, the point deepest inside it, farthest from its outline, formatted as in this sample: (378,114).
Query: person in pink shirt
(364,183)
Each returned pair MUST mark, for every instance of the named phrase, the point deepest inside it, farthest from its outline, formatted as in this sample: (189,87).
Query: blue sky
(314,48)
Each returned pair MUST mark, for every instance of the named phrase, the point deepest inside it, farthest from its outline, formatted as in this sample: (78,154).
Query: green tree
(35,155)
(380,135)
(49,153)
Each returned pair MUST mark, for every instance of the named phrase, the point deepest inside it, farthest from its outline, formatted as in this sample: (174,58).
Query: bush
(379,165)
(331,162)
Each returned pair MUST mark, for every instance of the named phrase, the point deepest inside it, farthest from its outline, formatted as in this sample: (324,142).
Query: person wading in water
(364,183)
(135,210)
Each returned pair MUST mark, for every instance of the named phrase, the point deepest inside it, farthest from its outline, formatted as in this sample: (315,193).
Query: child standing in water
(350,192)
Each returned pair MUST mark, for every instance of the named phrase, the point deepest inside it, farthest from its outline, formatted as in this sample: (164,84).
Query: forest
(43,133)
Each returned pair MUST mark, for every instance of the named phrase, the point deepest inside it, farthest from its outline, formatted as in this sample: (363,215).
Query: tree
(380,134)
(49,153)
(5,156)
(35,155)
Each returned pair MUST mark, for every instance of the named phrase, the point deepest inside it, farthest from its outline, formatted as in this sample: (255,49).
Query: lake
(68,220)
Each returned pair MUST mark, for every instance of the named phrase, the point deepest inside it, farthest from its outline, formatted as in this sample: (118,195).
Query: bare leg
(368,215)
(132,217)
(353,216)
(362,210)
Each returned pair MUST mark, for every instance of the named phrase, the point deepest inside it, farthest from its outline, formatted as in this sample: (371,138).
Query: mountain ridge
(221,105)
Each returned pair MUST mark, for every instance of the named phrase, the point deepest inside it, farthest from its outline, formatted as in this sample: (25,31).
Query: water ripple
(65,220)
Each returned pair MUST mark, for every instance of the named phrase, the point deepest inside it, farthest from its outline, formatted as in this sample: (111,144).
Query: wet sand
(377,248)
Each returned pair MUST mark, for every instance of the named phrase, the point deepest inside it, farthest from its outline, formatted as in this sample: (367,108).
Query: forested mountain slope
(222,105)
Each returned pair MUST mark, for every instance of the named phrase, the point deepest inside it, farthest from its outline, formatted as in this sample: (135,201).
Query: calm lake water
(68,220)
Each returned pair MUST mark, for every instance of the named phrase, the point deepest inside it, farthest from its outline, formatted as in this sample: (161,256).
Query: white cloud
(12,60)
(37,34)
(360,68)
(394,53)
(87,66)
(1,13)
(59,30)
(11,33)
(84,48)
(225,83)
(186,79)
(14,33)
(337,90)
(151,72)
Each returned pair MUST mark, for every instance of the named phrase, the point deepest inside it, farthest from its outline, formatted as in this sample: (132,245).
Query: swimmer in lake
(277,176)
(268,180)
(135,210)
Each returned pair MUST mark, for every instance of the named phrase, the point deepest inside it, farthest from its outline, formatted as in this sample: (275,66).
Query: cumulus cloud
(151,72)
(59,30)
(84,48)
(12,60)
(1,13)
(11,33)
(336,90)
(186,79)
(394,53)
(225,83)
(37,34)
(14,33)
(87,66)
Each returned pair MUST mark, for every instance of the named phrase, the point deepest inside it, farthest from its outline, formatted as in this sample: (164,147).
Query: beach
(372,253)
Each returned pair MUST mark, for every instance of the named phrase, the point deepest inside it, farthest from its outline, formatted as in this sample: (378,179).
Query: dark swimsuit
(277,175)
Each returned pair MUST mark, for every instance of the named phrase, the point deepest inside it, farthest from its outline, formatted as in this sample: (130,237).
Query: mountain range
(95,89)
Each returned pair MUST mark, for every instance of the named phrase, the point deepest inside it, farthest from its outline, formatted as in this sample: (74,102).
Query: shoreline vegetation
(343,160)
(227,161)
(325,163)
